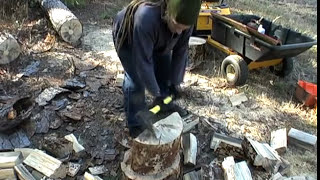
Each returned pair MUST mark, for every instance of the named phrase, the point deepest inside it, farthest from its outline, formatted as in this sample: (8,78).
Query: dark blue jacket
(151,36)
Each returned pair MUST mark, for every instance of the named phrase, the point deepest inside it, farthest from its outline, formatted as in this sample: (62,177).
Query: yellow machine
(204,22)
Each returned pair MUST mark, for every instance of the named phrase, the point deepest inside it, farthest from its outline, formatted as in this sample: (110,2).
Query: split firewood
(63,20)
(23,173)
(302,139)
(242,171)
(190,123)
(279,140)
(261,154)
(46,164)
(25,151)
(227,146)
(7,174)
(10,159)
(193,175)
(153,158)
(9,48)
(88,176)
(77,147)
(228,168)
(190,147)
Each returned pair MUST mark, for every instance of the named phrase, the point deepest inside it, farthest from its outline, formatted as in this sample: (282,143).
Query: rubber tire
(240,67)
(285,70)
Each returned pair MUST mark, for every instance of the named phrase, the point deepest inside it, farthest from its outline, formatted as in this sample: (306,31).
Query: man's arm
(180,57)
(144,36)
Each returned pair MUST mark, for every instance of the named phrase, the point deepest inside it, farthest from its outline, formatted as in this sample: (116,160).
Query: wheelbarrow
(247,48)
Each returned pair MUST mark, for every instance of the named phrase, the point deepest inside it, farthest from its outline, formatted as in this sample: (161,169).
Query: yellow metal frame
(204,22)
(252,65)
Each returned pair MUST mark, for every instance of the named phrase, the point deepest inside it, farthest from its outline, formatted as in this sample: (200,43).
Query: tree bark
(153,158)
(196,52)
(9,48)
(63,20)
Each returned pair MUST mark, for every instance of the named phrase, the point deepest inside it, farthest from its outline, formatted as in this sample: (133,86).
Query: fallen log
(9,48)
(63,20)
(152,158)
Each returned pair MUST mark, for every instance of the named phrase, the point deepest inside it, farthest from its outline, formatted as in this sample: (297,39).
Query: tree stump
(9,48)
(63,20)
(152,158)
(196,52)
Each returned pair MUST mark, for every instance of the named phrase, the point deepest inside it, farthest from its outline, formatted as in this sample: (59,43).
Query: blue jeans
(133,87)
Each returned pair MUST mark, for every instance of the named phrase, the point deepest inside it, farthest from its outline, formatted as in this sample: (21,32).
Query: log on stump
(63,20)
(9,48)
(196,52)
(152,158)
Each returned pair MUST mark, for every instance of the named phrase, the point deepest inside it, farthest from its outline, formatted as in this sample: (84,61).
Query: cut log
(242,171)
(302,139)
(7,174)
(23,173)
(224,145)
(46,164)
(194,175)
(196,52)
(190,147)
(10,159)
(261,154)
(63,20)
(9,48)
(279,140)
(228,168)
(154,158)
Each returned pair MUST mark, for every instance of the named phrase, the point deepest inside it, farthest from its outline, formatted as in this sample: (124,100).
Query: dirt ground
(99,104)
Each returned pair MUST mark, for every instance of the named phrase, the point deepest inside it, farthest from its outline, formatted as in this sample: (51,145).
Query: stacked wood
(261,154)
(228,168)
(63,20)
(9,48)
(47,165)
(302,139)
(224,145)
(196,52)
(190,147)
(152,158)
(242,171)
(279,140)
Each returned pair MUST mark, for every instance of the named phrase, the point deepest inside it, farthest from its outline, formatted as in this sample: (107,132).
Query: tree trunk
(63,20)
(158,159)
(196,52)
(9,48)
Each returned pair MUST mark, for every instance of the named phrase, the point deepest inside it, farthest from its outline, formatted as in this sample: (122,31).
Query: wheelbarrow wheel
(235,70)
(283,69)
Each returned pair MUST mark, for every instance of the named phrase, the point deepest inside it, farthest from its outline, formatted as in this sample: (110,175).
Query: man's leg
(133,91)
